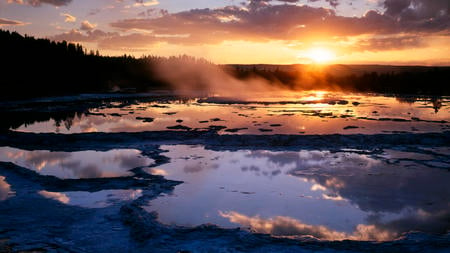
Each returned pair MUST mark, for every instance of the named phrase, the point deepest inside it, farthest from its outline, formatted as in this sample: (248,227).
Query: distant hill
(370,78)
(339,69)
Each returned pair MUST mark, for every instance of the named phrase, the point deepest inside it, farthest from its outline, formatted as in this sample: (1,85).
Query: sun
(320,55)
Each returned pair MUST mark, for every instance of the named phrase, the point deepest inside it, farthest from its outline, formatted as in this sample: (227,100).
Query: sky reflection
(289,227)
(82,164)
(5,189)
(98,199)
(354,195)
(289,113)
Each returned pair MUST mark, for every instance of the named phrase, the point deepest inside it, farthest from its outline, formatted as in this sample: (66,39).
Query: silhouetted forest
(39,67)
(358,78)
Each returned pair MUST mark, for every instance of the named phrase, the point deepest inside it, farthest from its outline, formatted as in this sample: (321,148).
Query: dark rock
(145,119)
(179,127)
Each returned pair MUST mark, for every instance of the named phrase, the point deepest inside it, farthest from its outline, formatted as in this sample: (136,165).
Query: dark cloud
(403,24)
(360,189)
(153,13)
(93,12)
(6,22)
(79,171)
(259,20)
(395,7)
(421,15)
(130,161)
(271,22)
(76,35)
(36,3)
(89,171)
(72,35)
(38,160)
(256,4)
(417,9)
(193,168)
(428,222)
(363,180)
(333,3)
(389,43)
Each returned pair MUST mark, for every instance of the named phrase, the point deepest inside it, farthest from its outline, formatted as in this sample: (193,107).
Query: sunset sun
(320,55)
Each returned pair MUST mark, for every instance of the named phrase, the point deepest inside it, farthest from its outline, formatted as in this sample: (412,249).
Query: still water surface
(329,195)
(82,164)
(290,113)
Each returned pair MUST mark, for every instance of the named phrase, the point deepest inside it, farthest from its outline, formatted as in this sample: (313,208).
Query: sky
(398,32)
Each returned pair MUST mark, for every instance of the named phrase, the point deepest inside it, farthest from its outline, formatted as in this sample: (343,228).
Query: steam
(197,77)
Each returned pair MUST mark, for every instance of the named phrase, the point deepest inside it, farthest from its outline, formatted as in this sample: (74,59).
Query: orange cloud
(290,227)
(68,18)
(264,21)
(291,26)
(10,22)
(5,189)
(61,197)
(36,3)
(87,26)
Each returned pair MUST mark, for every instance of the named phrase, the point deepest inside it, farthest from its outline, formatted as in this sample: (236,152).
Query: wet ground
(305,172)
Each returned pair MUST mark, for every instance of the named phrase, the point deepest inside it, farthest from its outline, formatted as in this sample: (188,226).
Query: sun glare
(320,55)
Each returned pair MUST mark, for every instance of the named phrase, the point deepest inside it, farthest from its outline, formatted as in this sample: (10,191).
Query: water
(329,195)
(5,189)
(82,164)
(97,199)
(78,165)
(289,113)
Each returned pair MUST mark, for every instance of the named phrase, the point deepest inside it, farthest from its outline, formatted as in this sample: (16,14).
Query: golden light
(314,96)
(320,55)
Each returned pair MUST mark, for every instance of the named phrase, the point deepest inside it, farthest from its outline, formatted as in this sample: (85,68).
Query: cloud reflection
(375,231)
(98,199)
(82,164)
(376,185)
(61,197)
(38,159)
(287,226)
(5,189)
(347,194)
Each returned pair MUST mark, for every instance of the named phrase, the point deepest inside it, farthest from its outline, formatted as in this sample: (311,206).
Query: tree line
(411,80)
(40,67)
